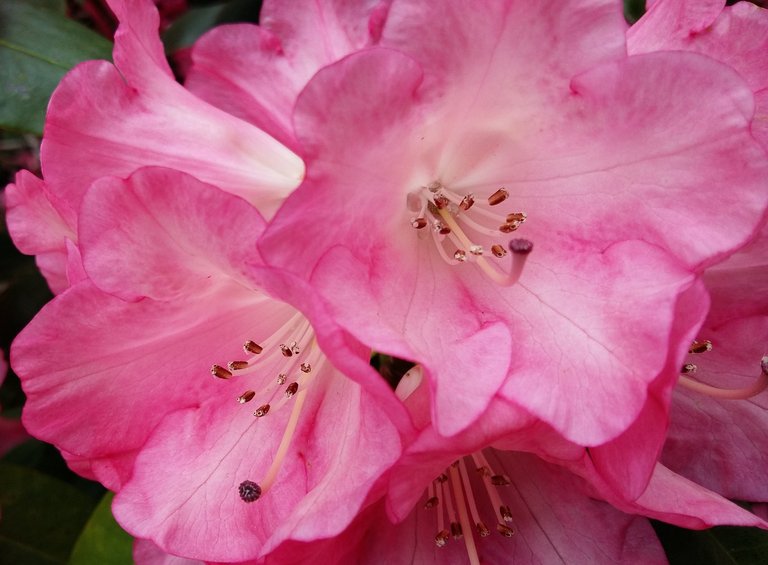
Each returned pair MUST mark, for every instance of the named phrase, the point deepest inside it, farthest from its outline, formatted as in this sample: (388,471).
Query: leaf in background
(196,21)
(103,541)
(723,545)
(38,44)
(41,517)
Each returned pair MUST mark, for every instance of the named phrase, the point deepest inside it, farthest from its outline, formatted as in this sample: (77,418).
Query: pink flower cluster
(557,219)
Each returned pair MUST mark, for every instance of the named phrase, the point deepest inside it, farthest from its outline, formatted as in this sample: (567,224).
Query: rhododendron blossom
(535,206)
(468,149)
(267,443)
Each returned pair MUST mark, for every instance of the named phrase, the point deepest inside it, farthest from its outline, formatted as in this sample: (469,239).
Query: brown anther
(432,502)
(498,251)
(286,350)
(460,255)
(419,223)
(442,478)
(517,217)
(444,230)
(281,378)
(500,480)
(456,530)
(476,250)
(688,368)
(520,246)
(509,227)
(700,346)
(237,365)
(506,513)
(262,410)
(467,202)
(441,202)
(247,396)
(505,530)
(498,197)
(291,389)
(252,347)
(482,530)
(220,372)
(305,367)
(442,538)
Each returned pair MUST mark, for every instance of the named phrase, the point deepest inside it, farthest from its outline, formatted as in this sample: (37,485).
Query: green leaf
(103,541)
(38,44)
(723,545)
(41,517)
(196,21)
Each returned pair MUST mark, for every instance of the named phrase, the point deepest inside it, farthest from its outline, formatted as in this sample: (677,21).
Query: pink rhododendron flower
(496,506)
(122,388)
(438,158)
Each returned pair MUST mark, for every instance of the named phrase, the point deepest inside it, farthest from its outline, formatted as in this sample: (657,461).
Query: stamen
(220,372)
(305,367)
(237,365)
(760,384)
(291,389)
(252,347)
(467,202)
(442,533)
(286,351)
(262,410)
(482,529)
(469,539)
(498,197)
(454,524)
(688,369)
(519,247)
(247,396)
(700,346)
(419,223)
(498,251)
(503,514)
(285,442)
(432,500)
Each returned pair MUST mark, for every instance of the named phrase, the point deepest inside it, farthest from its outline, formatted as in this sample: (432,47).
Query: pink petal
(672,21)
(343,443)
(256,72)
(175,235)
(145,552)
(40,225)
(114,127)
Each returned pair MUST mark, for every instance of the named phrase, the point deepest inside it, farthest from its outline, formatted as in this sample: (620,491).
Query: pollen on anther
(456,530)
(220,372)
(305,367)
(249,491)
(237,365)
(442,538)
(500,480)
(498,197)
(700,346)
(432,502)
(509,227)
(520,246)
(498,251)
(688,368)
(467,202)
(262,410)
(291,389)
(460,255)
(281,378)
(517,217)
(476,250)
(482,530)
(505,530)
(505,513)
(252,347)
(295,348)
(286,351)
(419,223)
(441,202)
(247,396)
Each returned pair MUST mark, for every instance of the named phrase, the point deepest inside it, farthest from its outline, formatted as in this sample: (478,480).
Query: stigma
(452,497)
(281,370)
(466,229)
